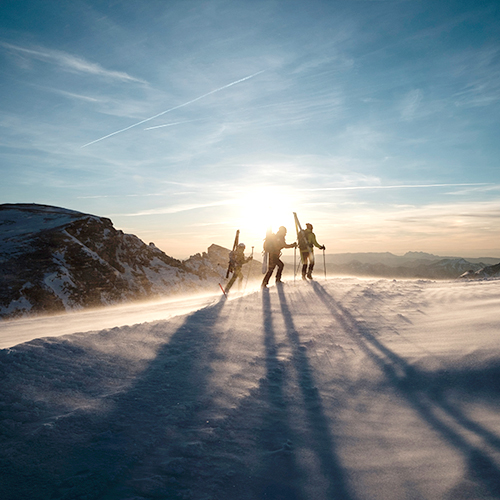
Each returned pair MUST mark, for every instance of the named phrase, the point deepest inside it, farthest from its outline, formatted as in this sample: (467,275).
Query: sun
(263,209)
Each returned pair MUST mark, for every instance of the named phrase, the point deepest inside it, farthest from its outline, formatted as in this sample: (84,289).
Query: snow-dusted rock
(483,273)
(213,263)
(53,259)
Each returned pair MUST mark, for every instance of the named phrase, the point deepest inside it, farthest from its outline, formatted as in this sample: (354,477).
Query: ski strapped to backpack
(301,237)
(230,266)
(269,242)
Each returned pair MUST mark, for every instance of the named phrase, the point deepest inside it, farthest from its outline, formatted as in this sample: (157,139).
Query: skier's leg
(230,283)
(270,269)
(240,278)
(305,256)
(267,277)
(304,271)
(280,270)
(310,270)
(311,264)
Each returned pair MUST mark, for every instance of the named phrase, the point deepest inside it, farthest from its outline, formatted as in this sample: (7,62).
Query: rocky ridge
(483,273)
(53,259)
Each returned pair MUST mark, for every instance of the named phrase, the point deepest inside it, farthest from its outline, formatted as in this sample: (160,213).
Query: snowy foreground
(336,389)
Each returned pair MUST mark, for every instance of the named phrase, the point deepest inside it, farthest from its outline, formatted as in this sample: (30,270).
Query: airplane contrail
(171,124)
(406,186)
(174,108)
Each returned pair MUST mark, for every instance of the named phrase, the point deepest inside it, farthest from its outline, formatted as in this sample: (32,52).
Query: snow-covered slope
(337,389)
(53,259)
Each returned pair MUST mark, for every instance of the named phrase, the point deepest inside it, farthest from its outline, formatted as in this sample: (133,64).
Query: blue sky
(182,121)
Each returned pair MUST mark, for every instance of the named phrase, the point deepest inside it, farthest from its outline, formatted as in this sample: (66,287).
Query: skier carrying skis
(307,242)
(273,245)
(236,260)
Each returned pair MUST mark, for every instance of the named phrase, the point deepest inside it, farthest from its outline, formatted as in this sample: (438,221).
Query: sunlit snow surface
(335,389)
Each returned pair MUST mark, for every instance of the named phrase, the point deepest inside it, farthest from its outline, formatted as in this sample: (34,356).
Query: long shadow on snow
(321,439)
(271,469)
(426,394)
(156,411)
(278,477)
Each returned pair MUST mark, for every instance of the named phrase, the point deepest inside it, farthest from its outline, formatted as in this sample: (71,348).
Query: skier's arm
(315,242)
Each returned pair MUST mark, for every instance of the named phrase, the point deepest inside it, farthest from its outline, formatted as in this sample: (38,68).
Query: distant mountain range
(439,269)
(412,265)
(53,259)
(409,259)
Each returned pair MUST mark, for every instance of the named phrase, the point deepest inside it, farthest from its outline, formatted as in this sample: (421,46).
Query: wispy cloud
(456,213)
(119,196)
(175,209)
(481,71)
(79,97)
(172,109)
(69,62)
(410,104)
(436,227)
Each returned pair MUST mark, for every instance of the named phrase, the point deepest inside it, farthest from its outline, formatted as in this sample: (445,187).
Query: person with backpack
(273,245)
(236,260)
(307,242)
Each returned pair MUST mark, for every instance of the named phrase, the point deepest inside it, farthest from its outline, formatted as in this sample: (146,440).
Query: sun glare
(263,209)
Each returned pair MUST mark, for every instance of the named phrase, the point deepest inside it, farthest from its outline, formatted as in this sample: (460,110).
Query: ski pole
(324,262)
(294,262)
(249,271)
(298,265)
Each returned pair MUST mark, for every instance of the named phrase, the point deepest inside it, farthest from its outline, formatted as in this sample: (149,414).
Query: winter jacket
(310,237)
(237,257)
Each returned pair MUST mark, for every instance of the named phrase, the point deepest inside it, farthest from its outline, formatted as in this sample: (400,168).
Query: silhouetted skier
(237,259)
(273,244)
(306,245)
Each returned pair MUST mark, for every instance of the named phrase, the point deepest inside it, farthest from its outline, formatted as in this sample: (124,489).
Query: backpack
(304,245)
(232,259)
(270,243)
